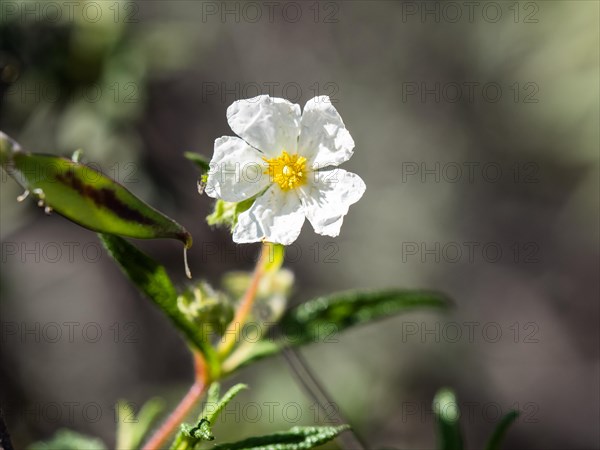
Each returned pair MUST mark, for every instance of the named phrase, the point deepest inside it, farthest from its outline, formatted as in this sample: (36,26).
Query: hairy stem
(162,435)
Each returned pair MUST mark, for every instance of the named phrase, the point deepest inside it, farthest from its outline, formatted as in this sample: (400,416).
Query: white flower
(286,159)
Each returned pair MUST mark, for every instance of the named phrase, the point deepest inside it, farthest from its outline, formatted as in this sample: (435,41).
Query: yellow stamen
(288,171)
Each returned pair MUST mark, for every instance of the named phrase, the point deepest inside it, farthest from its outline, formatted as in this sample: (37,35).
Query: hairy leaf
(152,279)
(212,396)
(131,429)
(86,196)
(500,431)
(297,438)
(213,411)
(319,317)
(323,317)
(191,435)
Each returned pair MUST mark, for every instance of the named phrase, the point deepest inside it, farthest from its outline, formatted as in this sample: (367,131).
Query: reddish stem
(242,312)
(162,435)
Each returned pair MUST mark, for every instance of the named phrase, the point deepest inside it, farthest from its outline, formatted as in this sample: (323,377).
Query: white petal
(327,198)
(324,139)
(236,171)
(276,216)
(269,124)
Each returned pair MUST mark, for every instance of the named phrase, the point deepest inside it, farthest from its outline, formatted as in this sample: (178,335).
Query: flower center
(288,171)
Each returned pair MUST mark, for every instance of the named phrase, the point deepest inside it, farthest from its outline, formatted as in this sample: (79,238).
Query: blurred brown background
(476,129)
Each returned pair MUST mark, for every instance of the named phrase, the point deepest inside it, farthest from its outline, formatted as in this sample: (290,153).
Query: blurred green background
(476,132)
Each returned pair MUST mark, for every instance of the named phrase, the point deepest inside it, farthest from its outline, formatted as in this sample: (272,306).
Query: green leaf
(212,414)
(86,196)
(297,438)
(203,165)
(69,440)
(189,436)
(501,429)
(448,415)
(152,280)
(212,396)
(250,352)
(315,319)
(8,147)
(324,317)
(200,161)
(131,429)
(226,214)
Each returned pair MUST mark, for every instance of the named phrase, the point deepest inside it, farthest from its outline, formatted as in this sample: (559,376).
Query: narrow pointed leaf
(334,313)
(297,438)
(132,428)
(190,436)
(323,317)
(501,429)
(152,279)
(200,161)
(213,414)
(86,196)
(212,396)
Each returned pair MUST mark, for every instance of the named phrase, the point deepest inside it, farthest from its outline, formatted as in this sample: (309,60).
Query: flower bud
(206,307)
